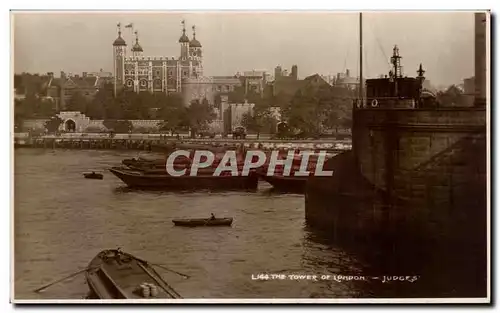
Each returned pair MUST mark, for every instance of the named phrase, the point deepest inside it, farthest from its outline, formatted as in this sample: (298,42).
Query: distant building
(207,88)
(346,80)
(470,85)
(330,79)
(282,74)
(470,90)
(238,110)
(86,85)
(232,113)
(61,89)
(289,87)
(254,81)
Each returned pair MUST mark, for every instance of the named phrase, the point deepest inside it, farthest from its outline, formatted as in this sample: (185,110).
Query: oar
(165,268)
(60,280)
(160,266)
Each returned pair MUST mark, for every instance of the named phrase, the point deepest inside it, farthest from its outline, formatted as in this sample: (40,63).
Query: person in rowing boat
(212,216)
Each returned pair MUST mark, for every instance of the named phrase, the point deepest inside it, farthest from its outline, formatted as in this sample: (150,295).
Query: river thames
(61,221)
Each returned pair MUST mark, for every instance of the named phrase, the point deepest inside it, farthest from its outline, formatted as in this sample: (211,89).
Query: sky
(323,42)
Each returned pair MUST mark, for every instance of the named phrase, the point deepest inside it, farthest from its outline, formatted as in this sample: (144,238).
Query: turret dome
(195,43)
(184,38)
(119,41)
(137,48)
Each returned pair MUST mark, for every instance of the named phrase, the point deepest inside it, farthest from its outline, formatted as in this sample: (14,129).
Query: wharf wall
(413,188)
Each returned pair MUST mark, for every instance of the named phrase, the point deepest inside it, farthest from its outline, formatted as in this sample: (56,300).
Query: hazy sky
(322,42)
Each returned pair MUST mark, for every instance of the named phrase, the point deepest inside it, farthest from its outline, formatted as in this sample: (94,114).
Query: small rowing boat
(114,274)
(93,175)
(194,222)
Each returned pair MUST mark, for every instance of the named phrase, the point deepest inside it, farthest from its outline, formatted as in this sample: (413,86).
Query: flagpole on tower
(131,26)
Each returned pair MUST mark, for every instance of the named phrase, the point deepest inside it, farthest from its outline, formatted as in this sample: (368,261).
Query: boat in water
(195,222)
(290,183)
(164,181)
(114,274)
(93,175)
(286,183)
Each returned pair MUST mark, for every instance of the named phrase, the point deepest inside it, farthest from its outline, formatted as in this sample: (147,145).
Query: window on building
(129,83)
(185,73)
(144,83)
(126,72)
(170,73)
(158,73)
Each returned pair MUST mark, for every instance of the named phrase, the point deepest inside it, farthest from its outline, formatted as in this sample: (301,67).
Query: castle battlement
(143,58)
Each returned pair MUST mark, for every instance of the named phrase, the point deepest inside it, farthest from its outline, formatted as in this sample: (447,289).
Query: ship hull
(140,180)
(286,184)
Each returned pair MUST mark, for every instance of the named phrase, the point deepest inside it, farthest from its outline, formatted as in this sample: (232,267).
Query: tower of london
(138,73)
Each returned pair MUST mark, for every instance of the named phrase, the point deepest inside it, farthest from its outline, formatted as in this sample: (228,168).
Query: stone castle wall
(85,124)
(198,89)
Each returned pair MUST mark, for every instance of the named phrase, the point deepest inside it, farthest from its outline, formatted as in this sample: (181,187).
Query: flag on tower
(129,25)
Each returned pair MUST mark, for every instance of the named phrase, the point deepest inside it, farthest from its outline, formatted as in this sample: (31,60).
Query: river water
(61,221)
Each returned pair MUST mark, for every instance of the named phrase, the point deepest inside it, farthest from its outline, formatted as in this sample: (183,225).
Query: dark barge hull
(141,180)
(286,184)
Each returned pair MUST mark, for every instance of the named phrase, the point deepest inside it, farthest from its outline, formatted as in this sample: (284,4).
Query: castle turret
(184,42)
(195,54)
(137,49)
(119,50)
(295,72)
(278,72)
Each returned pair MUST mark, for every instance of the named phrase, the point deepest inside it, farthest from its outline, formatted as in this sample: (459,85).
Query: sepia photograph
(250,156)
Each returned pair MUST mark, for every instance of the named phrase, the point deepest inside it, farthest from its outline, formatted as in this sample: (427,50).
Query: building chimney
(63,75)
(50,74)
(295,72)
(480,59)
(347,73)
(84,74)
(277,72)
